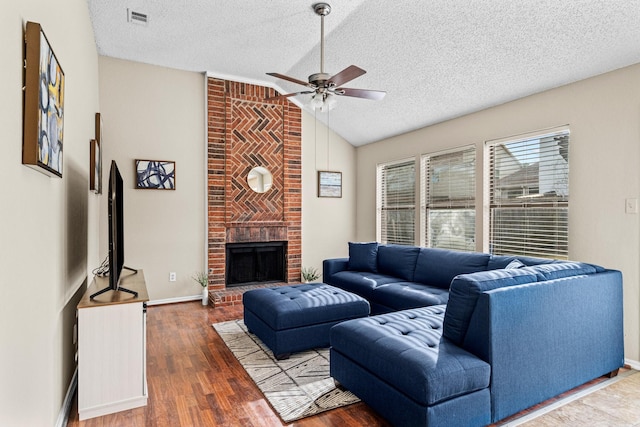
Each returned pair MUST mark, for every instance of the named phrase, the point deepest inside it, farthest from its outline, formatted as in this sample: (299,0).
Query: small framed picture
(95,167)
(95,179)
(329,184)
(155,174)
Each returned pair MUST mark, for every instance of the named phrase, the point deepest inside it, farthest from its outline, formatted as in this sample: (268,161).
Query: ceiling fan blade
(346,75)
(375,95)
(291,79)
(304,92)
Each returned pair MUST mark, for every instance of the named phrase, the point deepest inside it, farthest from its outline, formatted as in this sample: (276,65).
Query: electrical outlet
(172,276)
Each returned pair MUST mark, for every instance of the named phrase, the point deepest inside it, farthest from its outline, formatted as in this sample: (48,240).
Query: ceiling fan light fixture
(322,101)
(329,103)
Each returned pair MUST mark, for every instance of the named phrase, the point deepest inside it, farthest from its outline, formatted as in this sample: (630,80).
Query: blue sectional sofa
(470,338)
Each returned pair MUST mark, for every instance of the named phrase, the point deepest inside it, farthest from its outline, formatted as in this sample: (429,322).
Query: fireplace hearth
(255,262)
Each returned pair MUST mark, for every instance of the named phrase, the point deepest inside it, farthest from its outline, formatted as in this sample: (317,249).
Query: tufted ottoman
(400,365)
(296,318)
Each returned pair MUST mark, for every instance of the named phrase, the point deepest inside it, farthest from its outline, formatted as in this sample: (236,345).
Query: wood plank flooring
(194,380)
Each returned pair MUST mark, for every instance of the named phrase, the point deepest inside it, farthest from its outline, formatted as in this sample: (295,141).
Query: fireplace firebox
(255,262)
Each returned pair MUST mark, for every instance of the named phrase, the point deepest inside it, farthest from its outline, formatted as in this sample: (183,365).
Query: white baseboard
(65,410)
(634,364)
(176,299)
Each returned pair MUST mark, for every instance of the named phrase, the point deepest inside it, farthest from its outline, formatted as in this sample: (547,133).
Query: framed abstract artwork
(95,157)
(155,174)
(329,184)
(43,104)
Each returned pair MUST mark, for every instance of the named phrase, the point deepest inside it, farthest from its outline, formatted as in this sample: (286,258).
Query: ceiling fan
(324,86)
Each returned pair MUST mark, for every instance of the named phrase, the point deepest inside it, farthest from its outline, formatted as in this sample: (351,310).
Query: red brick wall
(245,131)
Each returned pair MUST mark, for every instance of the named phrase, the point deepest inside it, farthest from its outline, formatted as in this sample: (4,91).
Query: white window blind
(396,202)
(529,196)
(448,199)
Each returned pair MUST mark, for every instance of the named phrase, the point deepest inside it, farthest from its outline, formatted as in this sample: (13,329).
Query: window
(448,199)
(529,196)
(395,204)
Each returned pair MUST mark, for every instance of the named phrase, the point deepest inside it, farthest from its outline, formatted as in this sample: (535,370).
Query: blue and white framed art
(329,184)
(155,174)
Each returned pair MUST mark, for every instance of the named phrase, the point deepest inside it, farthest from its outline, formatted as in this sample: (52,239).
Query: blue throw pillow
(363,256)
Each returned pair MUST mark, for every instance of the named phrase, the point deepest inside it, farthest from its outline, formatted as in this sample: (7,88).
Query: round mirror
(259,179)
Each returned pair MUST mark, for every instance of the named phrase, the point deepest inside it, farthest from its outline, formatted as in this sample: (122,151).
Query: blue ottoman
(296,318)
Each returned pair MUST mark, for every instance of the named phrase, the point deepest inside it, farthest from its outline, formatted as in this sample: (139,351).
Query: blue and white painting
(329,184)
(156,174)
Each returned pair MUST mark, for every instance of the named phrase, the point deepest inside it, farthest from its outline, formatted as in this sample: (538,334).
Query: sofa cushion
(363,256)
(398,260)
(359,282)
(464,293)
(404,295)
(406,350)
(437,267)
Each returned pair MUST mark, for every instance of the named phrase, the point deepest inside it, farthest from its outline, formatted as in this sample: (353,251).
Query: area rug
(295,388)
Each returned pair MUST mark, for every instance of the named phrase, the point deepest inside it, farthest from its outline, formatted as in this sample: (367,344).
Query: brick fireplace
(245,131)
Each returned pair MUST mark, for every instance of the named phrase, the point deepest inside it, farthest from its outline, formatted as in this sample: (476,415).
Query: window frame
(527,200)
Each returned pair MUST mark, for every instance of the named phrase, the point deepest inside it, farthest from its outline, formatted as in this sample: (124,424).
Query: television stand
(112,333)
(120,288)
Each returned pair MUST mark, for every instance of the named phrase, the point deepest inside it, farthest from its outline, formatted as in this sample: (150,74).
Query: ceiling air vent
(137,17)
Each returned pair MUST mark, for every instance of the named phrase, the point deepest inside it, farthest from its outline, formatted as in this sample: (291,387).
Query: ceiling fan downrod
(322,9)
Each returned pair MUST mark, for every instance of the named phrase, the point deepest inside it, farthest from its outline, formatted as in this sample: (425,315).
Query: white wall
(48,226)
(604,118)
(157,113)
(328,224)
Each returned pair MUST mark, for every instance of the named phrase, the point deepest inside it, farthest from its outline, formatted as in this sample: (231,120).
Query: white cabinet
(112,348)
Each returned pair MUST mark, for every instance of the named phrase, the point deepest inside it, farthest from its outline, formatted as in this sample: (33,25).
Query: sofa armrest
(333,266)
(542,339)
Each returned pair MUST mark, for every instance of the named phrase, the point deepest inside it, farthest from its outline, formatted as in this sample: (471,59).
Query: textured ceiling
(436,60)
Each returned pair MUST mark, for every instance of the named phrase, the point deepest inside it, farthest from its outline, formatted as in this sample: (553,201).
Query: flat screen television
(116,232)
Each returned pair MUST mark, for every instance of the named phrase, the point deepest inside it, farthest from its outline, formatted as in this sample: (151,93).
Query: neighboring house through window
(395,202)
(528,185)
(448,212)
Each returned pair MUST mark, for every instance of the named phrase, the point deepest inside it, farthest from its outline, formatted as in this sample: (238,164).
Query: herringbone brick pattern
(245,131)
(256,140)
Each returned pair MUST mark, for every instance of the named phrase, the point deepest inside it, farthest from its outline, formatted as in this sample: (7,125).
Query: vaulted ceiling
(436,59)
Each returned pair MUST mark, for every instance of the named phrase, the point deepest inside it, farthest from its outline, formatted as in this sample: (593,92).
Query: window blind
(448,199)
(529,196)
(396,202)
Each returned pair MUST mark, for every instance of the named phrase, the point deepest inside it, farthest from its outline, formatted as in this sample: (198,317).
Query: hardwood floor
(194,380)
